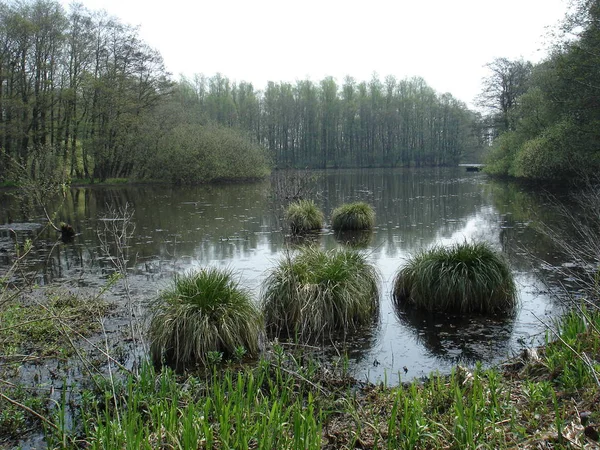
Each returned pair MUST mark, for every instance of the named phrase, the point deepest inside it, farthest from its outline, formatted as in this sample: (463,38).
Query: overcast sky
(447,42)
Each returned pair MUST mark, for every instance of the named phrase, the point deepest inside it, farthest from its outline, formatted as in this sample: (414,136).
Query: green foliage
(203,312)
(318,292)
(304,215)
(500,160)
(546,156)
(565,358)
(462,278)
(556,121)
(265,407)
(353,216)
(201,154)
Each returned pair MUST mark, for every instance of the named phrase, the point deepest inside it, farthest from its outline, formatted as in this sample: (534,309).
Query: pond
(240,226)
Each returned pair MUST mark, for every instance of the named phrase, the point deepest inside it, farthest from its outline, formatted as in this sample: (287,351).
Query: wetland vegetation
(91,391)
(313,293)
(464,278)
(353,216)
(304,215)
(77,328)
(203,312)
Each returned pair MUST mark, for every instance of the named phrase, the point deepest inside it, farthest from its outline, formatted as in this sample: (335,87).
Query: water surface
(240,227)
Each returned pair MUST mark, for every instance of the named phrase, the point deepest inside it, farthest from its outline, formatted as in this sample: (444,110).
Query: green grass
(353,216)
(282,403)
(203,312)
(463,278)
(291,401)
(317,292)
(304,215)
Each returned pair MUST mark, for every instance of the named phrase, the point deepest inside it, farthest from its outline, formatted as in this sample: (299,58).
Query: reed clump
(353,216)
(318,292)
(304,215)
(464,278)
(203,312)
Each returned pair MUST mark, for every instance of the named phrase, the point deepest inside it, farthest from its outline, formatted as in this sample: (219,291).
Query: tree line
(387,123)
(83,95)
(546,117)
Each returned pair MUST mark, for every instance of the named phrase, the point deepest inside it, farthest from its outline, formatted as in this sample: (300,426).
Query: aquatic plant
(304,215)
(465,277)
(353,216)
(203,311)
(318,292)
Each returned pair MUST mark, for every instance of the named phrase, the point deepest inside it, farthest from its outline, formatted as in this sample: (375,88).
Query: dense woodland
(378,123)
(82,94)
(547,116)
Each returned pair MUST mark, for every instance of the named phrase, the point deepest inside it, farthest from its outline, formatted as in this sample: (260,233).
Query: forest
(83,96)
(546,117)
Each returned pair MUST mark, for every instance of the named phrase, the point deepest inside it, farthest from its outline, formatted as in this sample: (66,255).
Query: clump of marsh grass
(204,311)
(353,216)
(465,277)
(318,292)
(304,215)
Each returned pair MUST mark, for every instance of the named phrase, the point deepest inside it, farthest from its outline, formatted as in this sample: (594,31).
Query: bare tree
(507,81)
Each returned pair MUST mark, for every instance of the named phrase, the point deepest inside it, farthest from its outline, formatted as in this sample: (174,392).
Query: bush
(353,216)
(203,312)
(304,215)
(552,155)
(318,292)
(192,154)
(461,278)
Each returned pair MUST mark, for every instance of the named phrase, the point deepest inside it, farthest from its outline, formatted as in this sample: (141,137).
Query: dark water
(240,227)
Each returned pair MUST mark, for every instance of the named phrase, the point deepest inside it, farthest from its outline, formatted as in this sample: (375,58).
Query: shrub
(191,154)
(318,292)
(202,312)
(353,216)
(462,278)
(304,215)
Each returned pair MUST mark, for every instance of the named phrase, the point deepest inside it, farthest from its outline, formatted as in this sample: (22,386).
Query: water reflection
(458,339)
(240,227)
(356,239)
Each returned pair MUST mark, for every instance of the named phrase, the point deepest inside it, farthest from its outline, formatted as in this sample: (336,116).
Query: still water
(240,227)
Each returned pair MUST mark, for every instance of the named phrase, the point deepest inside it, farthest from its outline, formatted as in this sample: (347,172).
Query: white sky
(447,42)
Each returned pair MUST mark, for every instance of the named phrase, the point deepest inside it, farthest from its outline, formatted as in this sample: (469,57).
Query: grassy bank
(545,399)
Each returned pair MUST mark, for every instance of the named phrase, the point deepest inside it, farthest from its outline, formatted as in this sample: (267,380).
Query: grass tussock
(318,292)
(203,312)
(304,215)
(353,216)
(465,277)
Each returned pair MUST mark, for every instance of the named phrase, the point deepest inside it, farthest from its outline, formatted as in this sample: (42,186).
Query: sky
(447,42)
